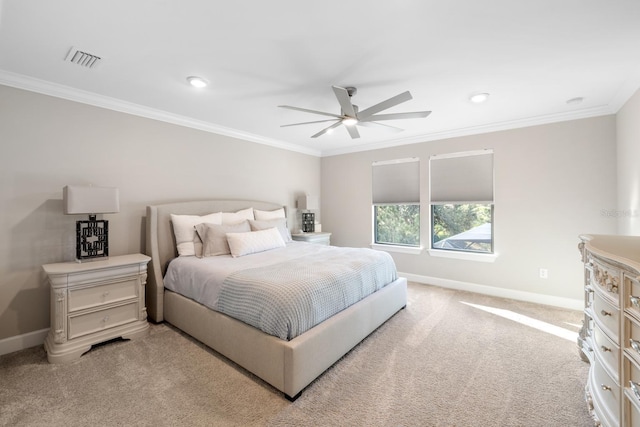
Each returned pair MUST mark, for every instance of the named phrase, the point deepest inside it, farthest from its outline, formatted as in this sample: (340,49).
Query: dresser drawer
(632,292)
(82,298)
(633,415)
(606,316)
(84,324)
(632,391)
(605,278)
(632,342)
(606,395)
(607,352)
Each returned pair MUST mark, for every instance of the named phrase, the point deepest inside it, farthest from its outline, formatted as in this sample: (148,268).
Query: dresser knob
(605,313)
(635,301)
(605,387)
(635,387)
(605,349)
(634,344)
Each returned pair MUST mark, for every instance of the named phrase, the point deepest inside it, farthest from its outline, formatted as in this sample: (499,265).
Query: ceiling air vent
(82,58)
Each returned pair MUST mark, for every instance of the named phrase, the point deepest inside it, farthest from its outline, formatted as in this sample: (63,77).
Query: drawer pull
(605,349)
(635,388)
(605,313)
(634,345)
(605,387)
(635,301)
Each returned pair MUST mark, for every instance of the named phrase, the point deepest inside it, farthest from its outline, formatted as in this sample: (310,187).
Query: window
(396,202)
(461,196)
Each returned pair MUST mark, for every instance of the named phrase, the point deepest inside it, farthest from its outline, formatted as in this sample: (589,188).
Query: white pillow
(267,215)
(185,234)
(214,237)
(254,241)
(236,217)
(279,223)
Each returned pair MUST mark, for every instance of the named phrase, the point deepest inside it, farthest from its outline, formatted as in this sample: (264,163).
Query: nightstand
(93,302)
(321,238)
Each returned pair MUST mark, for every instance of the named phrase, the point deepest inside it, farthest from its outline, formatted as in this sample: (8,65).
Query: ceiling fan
(350,117)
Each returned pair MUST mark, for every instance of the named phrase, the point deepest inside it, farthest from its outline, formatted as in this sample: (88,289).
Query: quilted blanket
(288,298)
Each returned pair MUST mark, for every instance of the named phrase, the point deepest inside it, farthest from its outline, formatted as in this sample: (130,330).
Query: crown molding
(476,130)
(65,92)
(71,94)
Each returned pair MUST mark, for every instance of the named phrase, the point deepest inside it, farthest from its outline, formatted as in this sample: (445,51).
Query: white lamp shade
(90,200)
(308,202)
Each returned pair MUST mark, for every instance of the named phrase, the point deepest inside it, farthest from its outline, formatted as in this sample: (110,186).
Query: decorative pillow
(254,241)
(236,217)
(185,234)
(214,237)
(279,223)
(267,215)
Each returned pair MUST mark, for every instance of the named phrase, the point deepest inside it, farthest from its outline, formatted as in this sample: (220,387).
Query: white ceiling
(531,56)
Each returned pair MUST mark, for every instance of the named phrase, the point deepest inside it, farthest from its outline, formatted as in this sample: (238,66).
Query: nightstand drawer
(96,321)
(80,299)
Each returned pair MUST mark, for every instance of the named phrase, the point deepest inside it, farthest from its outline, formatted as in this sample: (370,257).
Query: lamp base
(92,240)
(308,222)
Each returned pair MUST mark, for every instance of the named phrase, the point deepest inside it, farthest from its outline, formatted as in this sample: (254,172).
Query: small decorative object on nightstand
(322,238)
(95,302)
(308,203)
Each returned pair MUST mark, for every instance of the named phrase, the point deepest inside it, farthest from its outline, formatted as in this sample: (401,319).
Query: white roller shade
(462,178)
(396,182)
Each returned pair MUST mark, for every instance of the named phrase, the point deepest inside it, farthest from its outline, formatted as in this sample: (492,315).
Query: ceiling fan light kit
(351,117)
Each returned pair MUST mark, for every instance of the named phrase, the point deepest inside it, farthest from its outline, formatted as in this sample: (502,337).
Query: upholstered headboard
(160,240)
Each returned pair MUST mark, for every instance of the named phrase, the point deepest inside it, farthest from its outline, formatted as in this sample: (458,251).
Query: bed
(288,365)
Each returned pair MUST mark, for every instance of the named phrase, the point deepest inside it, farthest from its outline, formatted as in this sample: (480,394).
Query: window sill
(414,250)
(469,256)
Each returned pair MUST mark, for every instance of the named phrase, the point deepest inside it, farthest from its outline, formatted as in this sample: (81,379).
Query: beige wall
(47,143)
(628,128)
(552,182)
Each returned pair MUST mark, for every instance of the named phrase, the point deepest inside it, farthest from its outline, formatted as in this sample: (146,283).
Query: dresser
(319,237)
(93,302)
(610,336)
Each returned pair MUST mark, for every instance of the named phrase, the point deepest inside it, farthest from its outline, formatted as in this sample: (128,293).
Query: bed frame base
(289,366)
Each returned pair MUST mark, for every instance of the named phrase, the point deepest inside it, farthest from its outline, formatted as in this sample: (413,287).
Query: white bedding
(195,278)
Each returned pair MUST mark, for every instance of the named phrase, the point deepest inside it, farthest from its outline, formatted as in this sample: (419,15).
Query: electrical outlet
(544,273)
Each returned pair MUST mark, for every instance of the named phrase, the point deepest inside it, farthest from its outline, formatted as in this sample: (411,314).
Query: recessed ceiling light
(478,98)
(349,121)
(575,101)
(198,82)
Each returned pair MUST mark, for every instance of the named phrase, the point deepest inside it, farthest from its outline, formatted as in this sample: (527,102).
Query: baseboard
(572,304)
(20,342)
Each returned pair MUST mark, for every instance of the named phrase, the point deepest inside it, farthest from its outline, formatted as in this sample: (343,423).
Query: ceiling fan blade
(307,123)
(378,125)
(353,131)
(327,129)
(391,102)
(310,111)
(345,101)
(397,116)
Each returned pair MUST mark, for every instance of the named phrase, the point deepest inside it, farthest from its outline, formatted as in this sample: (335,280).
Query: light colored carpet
(439,362)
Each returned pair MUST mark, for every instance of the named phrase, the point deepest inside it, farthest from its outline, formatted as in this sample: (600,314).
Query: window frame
(387,193)
(461,253)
